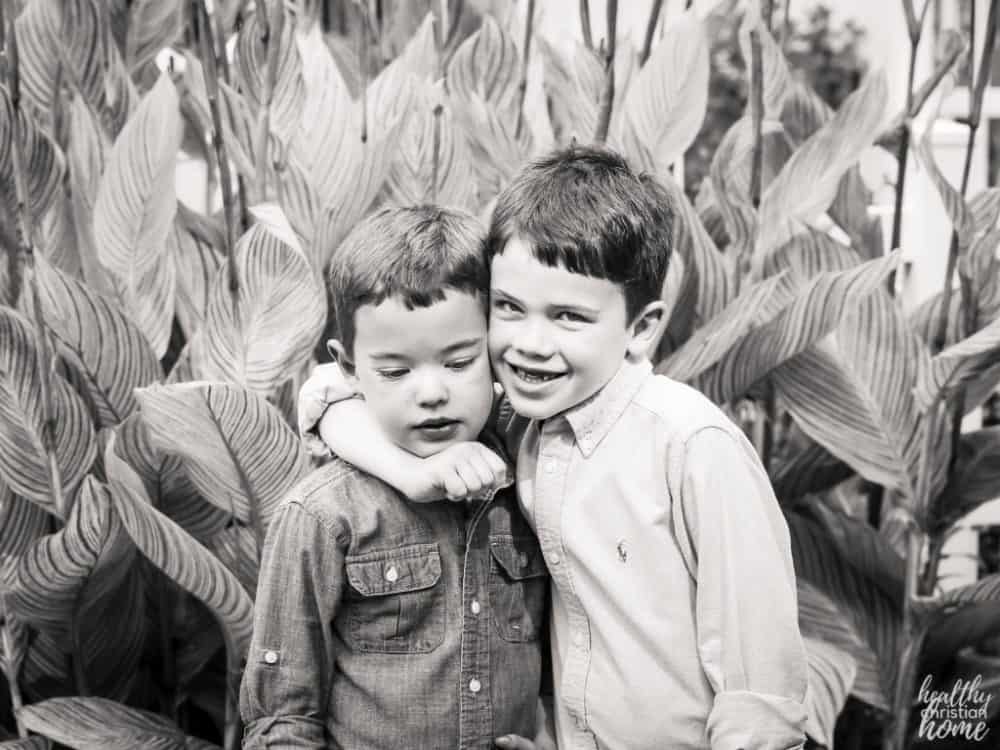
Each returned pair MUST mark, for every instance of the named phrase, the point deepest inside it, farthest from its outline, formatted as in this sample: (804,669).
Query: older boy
(674,619)
(383,624)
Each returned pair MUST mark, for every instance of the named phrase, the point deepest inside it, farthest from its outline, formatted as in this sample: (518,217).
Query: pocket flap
(520,557)
(395,571)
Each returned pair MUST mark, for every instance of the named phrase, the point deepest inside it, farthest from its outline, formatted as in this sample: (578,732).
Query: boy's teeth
(532,377)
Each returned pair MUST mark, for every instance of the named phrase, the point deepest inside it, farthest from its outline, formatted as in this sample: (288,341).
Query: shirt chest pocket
(518,587)
(395,601)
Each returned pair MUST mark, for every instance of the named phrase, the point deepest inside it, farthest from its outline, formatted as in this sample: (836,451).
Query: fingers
(313,396)
(514,742)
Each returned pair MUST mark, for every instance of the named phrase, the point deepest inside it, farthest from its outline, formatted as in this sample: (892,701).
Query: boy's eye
(392,373)
(503,305)
(571,317)
(460,364)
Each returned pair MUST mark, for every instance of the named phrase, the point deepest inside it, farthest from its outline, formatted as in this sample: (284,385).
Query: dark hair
(414,254)
(584,208)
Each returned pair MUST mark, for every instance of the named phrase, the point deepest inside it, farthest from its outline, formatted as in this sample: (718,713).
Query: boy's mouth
(440,428)
(534,376)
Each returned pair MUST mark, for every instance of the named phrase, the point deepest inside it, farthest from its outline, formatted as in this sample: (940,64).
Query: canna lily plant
(150,353)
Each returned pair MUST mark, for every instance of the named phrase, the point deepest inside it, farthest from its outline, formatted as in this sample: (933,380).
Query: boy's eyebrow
(464,344)
(454,347)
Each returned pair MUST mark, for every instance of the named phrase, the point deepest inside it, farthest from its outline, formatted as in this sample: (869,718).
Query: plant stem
(271,36)
(231,735)
(756,117)
(654,19)
(208,52)
(9,648)
(912,631)
(25,240)
(588,39)
(608,95)
(522,85)
(442,34)
(767,13)
(975,115)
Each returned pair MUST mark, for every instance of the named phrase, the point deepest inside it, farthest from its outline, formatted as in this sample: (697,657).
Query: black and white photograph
(518,374)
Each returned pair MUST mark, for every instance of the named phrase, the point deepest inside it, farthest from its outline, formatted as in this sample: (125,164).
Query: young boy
(674,618)
(383,624)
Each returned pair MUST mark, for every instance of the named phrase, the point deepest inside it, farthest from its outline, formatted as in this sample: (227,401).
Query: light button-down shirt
(674,616)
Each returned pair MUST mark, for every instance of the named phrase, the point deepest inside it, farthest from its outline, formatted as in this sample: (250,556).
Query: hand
(517,742)
(457,473)
(326,385)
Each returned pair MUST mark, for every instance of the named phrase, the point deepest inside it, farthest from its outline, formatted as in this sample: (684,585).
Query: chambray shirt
(674,618)
(382,624)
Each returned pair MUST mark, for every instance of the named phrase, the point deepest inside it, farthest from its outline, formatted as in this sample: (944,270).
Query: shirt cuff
(284,732)
(742,720)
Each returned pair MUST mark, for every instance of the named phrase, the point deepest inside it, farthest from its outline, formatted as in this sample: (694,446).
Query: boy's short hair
(584,208)
(414,254)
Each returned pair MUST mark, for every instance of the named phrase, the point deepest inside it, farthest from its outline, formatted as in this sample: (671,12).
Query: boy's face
(556,337)
(425,372)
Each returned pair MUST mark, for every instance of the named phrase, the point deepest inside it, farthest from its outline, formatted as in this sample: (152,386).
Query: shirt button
(475,685)
(550,468)
(578,638)
(475,607)
(271,657)
(391,575)
(554,558)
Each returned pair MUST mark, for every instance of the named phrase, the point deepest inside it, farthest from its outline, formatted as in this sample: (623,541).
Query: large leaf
(87,153)
(817,309)
(25,466)
(41,159)
(487,64)
(166,483)
(280,310)
(37,30)
(388,95)
(109,352)
(712,341)
(252,60)
(730,187)
(29,743)
(150,301)
(776,78)
(101,724)
(666,104)
(197,260)
(21,523)
(870,613)
(831,674)
(821,620)
(433,164)
(976,479)
(91,553)
(808,182)
(497,150)
(137,200)
(186,562)
(959,364)
(961,217)
(235,446)
(152,25)
(985,208)
(811,469)
(852,393)
(83,48)
(962,617)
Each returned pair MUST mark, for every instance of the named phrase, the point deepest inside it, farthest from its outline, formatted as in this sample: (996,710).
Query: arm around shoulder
(746,609)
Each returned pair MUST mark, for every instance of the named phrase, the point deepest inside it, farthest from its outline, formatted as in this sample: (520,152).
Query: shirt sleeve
(286,683)
(736,542)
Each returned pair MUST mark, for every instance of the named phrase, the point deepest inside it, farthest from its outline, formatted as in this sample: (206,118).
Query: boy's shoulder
(337,490)
(681,410)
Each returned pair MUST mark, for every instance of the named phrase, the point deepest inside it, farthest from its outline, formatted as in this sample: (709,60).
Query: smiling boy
(380,623)
(674,616)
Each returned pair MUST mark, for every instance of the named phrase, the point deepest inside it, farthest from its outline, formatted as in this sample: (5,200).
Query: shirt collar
(592,419)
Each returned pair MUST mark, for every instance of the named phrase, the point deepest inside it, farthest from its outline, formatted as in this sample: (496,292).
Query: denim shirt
(384,624)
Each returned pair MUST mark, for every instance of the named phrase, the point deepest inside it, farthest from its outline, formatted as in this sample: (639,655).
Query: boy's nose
(532,341)
(431,391)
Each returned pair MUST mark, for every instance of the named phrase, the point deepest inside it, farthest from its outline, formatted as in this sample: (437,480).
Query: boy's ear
(336,350)
(645,329)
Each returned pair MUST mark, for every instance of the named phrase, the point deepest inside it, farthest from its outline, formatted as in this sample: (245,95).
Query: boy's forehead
(393,326)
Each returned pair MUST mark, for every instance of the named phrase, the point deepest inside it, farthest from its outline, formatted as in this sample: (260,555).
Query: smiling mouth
(534,376)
